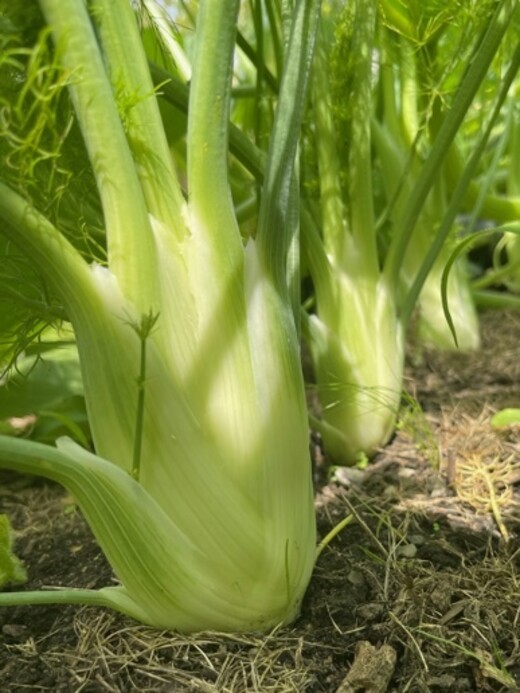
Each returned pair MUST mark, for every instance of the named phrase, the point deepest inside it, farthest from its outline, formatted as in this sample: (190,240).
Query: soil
(419,592)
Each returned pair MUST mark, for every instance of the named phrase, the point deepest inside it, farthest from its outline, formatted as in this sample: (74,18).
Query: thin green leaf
(458,250)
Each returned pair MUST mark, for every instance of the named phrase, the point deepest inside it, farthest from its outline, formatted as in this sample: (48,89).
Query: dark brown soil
(419,592)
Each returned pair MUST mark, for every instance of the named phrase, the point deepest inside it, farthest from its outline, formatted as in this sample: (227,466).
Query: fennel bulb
(358,353)
(200,491)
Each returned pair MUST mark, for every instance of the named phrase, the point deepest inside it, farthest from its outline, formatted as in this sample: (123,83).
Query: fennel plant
(199,490)
(366,283)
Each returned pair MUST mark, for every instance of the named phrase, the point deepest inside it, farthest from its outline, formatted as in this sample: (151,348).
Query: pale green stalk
(363,260)
(512,243)
(139,112)
(129,241)
(336,240)
(217,269)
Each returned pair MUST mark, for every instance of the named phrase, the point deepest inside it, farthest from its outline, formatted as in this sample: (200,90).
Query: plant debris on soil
(419,592)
